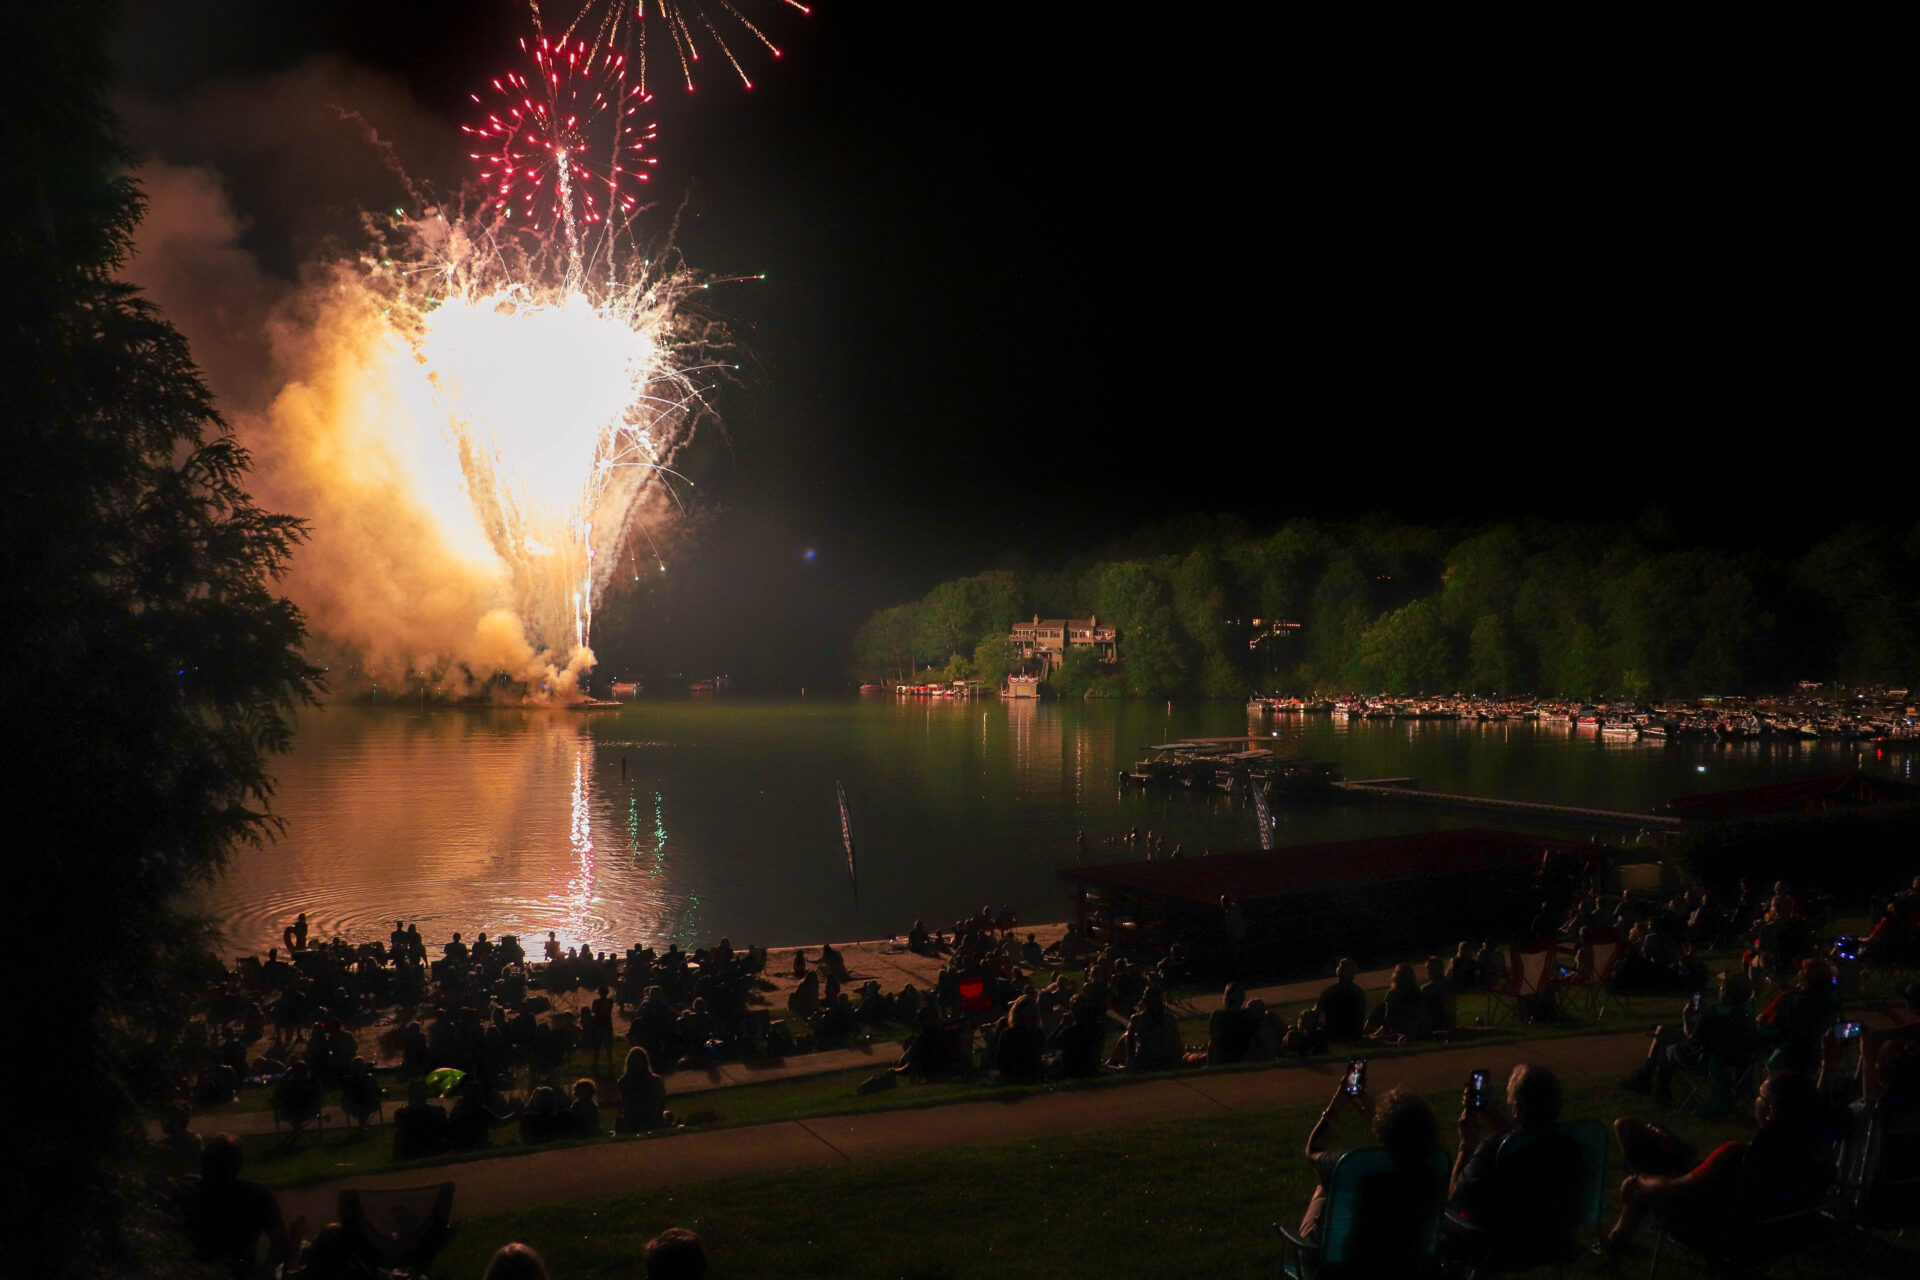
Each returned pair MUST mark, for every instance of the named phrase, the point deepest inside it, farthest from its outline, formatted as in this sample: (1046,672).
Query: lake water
(686,821)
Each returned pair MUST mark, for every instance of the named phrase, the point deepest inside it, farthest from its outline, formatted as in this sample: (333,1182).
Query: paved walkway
(589,1172)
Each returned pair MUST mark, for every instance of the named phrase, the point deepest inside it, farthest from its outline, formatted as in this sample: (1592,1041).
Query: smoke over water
(477,435)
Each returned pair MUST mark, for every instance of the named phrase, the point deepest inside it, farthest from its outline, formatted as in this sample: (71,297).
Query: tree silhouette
(154,668)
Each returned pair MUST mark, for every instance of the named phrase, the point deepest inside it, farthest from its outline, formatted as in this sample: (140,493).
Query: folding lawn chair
(1332,1256)
(1529,977)
(393,1230)
(1591,983)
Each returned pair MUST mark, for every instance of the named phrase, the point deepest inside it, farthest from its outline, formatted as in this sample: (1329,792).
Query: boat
(1021,686)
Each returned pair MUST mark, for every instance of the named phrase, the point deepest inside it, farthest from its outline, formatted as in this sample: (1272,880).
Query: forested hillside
(1554,609)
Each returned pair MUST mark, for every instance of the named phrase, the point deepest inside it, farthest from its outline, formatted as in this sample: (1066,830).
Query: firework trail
(677,32)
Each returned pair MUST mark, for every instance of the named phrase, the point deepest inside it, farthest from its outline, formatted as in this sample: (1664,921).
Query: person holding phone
(1527,1203)
(1716,1038)
(1395,1208)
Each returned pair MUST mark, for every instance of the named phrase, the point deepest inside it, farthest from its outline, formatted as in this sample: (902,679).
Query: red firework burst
(565,140)
(693,25)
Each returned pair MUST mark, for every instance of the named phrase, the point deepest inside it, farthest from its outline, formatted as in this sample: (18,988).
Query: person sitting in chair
(296,1098)
(1396,1207)
(1722,1031)
(1776,1172)
(1526,1199)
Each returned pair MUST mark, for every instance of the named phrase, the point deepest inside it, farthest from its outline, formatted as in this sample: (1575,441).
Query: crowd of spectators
(1004,1008)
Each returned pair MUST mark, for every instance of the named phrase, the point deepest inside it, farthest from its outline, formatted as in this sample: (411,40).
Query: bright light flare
(551,401)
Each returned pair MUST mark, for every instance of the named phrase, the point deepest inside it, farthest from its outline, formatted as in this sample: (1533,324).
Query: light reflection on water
(723,819)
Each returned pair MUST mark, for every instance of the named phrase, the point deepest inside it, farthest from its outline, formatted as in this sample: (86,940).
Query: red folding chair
(1529,974)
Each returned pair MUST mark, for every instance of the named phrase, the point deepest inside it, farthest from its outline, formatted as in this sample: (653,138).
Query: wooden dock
(1401,789)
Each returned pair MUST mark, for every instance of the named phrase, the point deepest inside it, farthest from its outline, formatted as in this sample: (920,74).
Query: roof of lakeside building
(1255,874)
(1797,795)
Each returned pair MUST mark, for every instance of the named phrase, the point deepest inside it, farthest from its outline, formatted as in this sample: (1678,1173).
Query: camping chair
(1604,946)
(1866,1196)
(1722,1079)
(297,1117)
(398,1229)
(1744,1243)
(1529,976)
(1488,1254)
(1331,1257)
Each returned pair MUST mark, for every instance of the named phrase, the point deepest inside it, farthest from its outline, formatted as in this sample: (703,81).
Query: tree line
(1550,608)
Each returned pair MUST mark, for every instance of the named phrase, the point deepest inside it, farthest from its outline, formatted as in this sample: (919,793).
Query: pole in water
(623,766)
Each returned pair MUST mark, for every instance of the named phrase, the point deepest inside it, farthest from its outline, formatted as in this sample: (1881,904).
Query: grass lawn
(1189,1197)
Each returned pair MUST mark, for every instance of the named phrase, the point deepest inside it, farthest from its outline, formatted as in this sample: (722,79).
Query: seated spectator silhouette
(1396,1207)
(297,1100)
(182,1145)
(1491,965)
(360,1094)
(1463,973)
(676,1254)
(1079,1040)
(330,1256)
(516,1262)
(1438,995)
(1232,1032)
(1526,1200)
(643,1096)
(1776,1172)
(1720,1033)
(1152,1038)
(835,1023)
(1403,1014)
(1031,956)
(471,1124)
(420,1127)
(934,1051)
(227,1215)
(585,1112)
(1020,1052)
(544,1119)
(832,964)
(1343,1006)
(804,999)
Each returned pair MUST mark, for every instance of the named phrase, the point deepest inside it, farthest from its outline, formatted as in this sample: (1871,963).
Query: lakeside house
(1043,642)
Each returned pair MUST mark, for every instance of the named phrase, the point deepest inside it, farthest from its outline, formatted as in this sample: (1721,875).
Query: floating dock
(1405,789)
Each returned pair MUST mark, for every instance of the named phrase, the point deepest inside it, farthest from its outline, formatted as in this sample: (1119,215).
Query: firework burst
(687,26)
(550,398)
(563,146)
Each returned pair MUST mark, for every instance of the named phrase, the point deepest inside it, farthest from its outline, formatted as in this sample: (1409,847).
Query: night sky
(1040,275)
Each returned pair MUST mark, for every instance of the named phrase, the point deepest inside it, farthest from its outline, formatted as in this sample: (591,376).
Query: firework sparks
(564,146)
(536,409)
